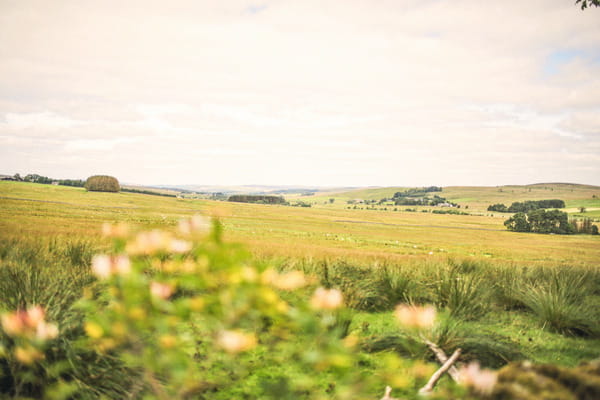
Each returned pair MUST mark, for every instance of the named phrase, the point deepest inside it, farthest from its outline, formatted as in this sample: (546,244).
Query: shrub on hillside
(102,183)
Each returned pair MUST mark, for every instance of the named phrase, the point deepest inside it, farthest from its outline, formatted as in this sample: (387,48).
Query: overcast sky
(345,92)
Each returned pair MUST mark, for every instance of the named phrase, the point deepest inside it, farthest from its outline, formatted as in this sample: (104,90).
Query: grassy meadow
(502,296)
(323,231)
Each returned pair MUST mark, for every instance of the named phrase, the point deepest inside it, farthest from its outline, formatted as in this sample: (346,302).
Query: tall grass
(54,275)
(464,295)
(558,298)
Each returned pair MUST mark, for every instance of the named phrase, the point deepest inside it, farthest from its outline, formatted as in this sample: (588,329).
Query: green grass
(468,265)
(320,232)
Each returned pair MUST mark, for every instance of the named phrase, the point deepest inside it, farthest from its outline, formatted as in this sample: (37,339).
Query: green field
(321,231)
(502,296)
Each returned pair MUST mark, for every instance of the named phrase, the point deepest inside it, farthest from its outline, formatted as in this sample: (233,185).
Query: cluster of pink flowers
(157,241)
(104,266)
(30,324)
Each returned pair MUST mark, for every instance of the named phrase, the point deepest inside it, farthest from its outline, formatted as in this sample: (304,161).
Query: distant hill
(251,189)
(478,198)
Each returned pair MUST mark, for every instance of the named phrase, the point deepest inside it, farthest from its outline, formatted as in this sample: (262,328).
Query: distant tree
(35,178)
(541,221)
(102,183)
(553,221)
(588,3)
(582,209)
(518,223)
(498,207)
(530,205)
(17,177)
(331,201)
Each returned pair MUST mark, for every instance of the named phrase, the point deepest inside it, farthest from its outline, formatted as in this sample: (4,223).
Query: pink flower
(415,316)
(180,246)
(481,380)
(327,299)
(236,341)
(290,280)
(29,323)
(161,290)
(104,266)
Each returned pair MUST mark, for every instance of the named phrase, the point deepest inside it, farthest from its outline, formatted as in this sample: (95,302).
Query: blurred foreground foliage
(185,315)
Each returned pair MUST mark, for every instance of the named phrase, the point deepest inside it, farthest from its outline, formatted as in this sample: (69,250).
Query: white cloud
(361,89)
(44,121)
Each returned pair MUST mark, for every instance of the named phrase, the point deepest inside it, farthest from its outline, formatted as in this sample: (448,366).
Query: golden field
(323,231)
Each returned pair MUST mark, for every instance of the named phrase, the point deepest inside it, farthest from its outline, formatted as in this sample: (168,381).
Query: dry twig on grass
(438,374)
(442,358)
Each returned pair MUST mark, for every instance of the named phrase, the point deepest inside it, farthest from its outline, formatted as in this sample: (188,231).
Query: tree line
(255,198)
(35,178)
(527,206)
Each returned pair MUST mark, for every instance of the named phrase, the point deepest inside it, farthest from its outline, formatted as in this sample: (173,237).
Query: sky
(310,92)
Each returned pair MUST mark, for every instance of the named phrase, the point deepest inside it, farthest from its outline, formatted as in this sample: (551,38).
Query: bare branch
(442,358)
(387,395)
(438,374)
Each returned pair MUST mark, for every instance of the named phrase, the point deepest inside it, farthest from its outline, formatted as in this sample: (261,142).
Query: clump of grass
(463,295)
(489,349)
(397,285)
(560,304)
(506,287)
(360,286)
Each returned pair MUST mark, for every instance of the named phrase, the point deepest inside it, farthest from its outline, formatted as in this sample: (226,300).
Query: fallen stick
(438,374)
(388,392)
(442,358)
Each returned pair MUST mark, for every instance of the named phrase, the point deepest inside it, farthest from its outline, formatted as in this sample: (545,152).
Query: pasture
(501,296)
(322,231)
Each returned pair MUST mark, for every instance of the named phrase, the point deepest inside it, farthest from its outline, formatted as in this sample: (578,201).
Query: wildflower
(149,242)
(29,323)
(236,341)
(327,299)
(119,230)
(290,280)
(45,331)
(249,274)
(197,223)
(161,290)
(167,341)
(93,330)
(415,316)
(179,246)
(481,380)
(104,266)
(28,355)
